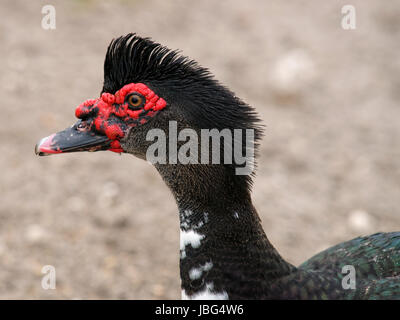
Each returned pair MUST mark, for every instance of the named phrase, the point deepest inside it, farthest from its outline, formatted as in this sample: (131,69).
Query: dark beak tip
(72,140)
(37,150)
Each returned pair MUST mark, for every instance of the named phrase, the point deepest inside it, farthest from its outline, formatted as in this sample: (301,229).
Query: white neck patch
(196,273)
(206,294)
(189,237)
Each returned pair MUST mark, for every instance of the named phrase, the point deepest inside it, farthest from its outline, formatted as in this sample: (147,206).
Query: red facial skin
(110,114)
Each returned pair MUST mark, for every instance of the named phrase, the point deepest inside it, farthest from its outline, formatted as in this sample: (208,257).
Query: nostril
(84,125)
(81,125)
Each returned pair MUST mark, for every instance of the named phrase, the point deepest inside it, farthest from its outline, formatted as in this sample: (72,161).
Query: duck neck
(224,252)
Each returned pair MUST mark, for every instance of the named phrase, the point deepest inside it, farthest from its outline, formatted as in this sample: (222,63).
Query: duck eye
(135,101)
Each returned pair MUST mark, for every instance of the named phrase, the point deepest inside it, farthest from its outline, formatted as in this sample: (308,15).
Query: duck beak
(72,140)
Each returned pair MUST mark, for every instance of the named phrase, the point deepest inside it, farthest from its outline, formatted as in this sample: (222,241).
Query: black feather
(202,100)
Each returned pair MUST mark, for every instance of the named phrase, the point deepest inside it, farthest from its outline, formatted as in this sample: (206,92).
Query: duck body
(376,262)
(244,265)
(224,252)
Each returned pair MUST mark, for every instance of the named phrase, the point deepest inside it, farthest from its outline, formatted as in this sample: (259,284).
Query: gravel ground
(329,164)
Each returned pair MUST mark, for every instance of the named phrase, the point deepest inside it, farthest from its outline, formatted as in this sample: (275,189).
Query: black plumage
(224,250)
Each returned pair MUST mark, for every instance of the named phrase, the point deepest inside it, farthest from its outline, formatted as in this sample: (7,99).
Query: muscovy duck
(224,252)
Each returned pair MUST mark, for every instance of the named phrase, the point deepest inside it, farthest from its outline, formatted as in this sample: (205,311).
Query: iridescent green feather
(376,260)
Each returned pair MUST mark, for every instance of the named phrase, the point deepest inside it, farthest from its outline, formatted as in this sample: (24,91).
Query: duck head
(103,122)
(147,86)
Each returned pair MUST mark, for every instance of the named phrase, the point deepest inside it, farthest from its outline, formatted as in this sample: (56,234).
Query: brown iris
(135,101)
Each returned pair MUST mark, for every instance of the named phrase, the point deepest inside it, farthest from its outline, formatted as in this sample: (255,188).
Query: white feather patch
(195,273)
(206,294)
(190,237)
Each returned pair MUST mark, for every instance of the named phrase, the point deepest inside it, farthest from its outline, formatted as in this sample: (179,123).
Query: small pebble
(360,220)
(293,71)
(35,233)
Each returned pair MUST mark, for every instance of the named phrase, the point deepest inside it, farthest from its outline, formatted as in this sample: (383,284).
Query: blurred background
(329,164)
